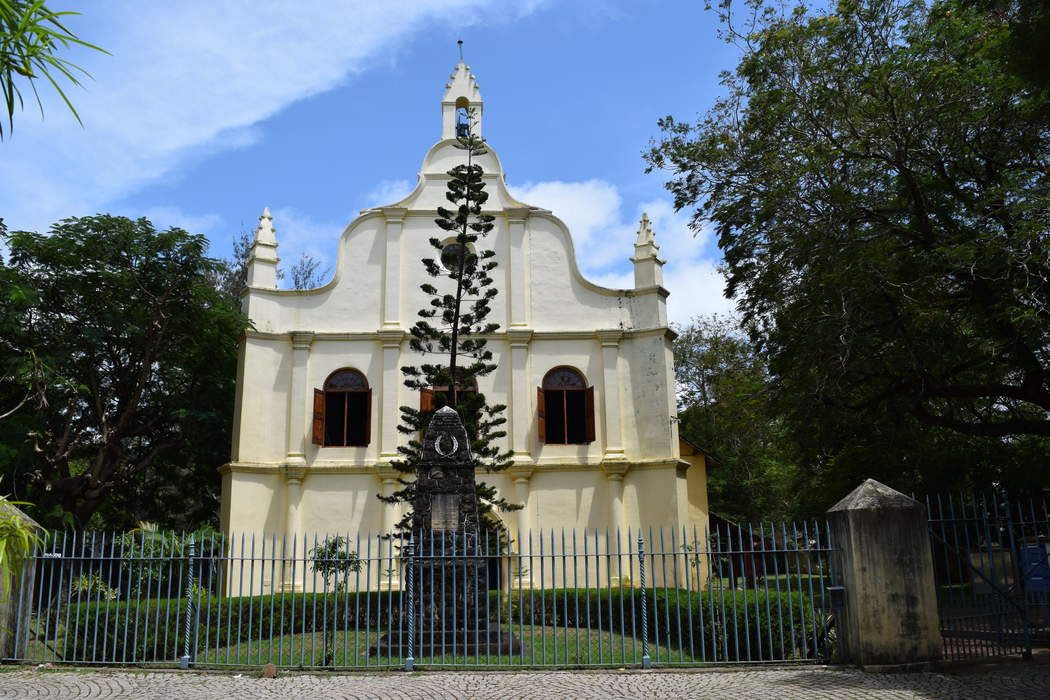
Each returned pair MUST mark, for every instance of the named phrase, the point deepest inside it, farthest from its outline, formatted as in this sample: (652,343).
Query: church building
(586,372)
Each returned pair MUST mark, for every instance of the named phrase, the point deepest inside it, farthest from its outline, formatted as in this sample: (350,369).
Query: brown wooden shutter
(368,417)
(318,427)
(588,414)
(426,403)
(541,412)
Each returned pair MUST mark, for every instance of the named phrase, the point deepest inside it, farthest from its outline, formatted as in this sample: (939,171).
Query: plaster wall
(550,315)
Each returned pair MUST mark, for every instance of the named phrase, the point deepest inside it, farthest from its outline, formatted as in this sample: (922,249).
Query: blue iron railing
(990,557)
(734,594)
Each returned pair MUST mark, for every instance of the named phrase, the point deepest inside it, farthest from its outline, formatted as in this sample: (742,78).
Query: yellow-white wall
(631,476)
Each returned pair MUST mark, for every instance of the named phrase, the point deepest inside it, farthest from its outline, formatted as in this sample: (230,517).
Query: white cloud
(189,78)
(604,239)
(300,234)
(166,217)
(388,192)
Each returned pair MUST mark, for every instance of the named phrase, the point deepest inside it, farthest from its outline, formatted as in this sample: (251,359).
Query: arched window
(343,410)
(566,408)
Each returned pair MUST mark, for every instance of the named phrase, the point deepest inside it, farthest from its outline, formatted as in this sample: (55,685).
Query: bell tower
(461,93)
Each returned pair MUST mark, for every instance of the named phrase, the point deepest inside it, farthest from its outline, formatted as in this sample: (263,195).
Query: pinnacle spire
(645,233)
(265,232)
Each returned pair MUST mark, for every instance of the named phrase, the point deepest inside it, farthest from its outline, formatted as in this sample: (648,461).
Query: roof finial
(460,42)
(264,233)
(645,232)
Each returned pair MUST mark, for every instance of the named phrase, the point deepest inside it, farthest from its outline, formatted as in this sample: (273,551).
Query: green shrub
(734,625)
(153,629)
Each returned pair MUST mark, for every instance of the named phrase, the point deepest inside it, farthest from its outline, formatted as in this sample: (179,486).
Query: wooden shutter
(368,417)
(588,414)
(318,427)
(541,412)
(426,403)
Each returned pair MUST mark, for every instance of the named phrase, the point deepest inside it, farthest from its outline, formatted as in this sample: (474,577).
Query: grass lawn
(541,646)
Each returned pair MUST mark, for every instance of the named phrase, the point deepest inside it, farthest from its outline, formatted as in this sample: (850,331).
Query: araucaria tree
(453,328)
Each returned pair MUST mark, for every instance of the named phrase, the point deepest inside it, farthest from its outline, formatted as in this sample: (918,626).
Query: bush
(734,625)
(153,629)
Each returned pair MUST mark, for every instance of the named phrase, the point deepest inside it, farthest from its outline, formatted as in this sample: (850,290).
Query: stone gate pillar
(882,554)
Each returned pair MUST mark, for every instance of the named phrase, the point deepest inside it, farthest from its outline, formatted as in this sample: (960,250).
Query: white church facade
(586,373)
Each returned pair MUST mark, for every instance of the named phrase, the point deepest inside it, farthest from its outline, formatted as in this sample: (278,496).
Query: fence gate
(993,581)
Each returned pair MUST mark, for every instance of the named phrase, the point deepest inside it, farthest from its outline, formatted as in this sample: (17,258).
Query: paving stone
(1020,681)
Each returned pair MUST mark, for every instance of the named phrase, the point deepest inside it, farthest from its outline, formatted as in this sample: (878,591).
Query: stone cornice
(513,335)
(517,215)
(609,337)
(372,468)
(394,215)
(643,291)
(302,340)
(391,337)
(519,336)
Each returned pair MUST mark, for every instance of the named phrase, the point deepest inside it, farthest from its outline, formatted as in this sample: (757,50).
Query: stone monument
(448,592)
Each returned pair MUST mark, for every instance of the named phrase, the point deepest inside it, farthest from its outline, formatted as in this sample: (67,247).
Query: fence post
(189,652)
(646,661)
(410,660)
(882,553)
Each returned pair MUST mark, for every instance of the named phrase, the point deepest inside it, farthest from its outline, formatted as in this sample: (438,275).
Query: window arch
(566,408)
(343,410)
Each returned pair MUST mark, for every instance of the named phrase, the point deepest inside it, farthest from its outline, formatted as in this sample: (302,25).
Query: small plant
(334,561)
(92,587)
(18,539)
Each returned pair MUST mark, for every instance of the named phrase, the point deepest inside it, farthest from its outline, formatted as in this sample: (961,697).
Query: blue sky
(209,111)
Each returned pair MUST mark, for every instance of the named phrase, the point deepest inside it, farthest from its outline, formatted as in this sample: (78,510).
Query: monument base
(490,640)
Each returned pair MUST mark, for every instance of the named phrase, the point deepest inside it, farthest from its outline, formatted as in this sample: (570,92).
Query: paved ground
(1005,681)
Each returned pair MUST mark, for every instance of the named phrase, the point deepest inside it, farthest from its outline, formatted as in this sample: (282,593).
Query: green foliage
(141,351)
(729,621)
(97,625)
(453,325)
(334,561)
(91,587)
(782,625)
(879,178)
(151,559)
(31,35)
(18,538)
(725,406)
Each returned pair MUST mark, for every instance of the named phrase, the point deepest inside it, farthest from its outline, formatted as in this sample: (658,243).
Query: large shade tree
(879,178)
(141,355)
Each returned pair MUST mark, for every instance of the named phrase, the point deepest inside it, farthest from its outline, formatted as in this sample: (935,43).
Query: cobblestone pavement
(1005,682)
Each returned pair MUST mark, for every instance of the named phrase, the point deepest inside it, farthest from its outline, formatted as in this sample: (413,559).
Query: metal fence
(993,580)
(733,594)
